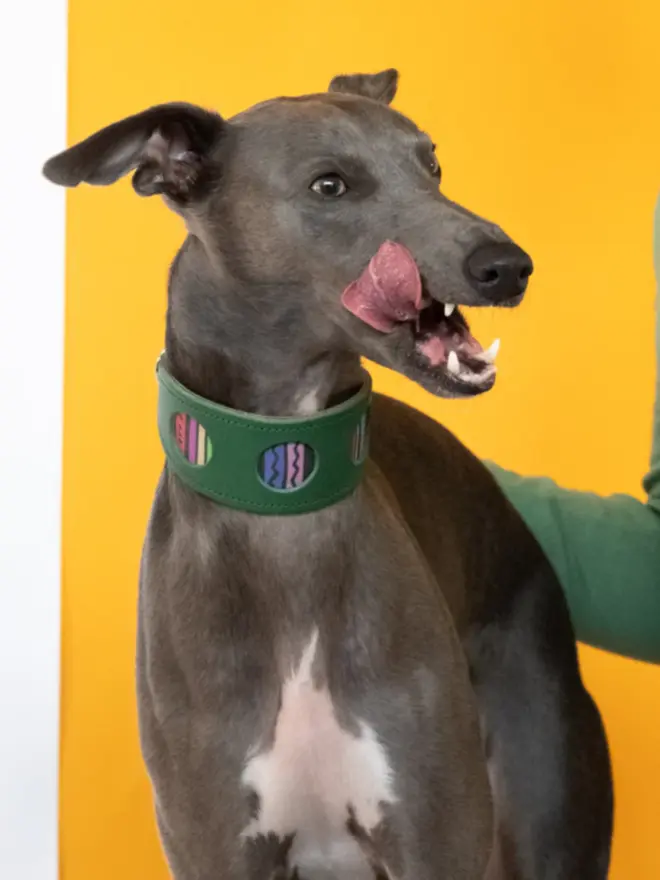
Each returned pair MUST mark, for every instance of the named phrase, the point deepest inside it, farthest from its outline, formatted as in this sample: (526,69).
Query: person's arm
(605,551)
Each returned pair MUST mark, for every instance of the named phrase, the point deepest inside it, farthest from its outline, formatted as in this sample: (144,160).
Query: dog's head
(327,211)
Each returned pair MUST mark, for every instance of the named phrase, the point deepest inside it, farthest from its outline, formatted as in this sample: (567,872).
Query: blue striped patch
(287,466)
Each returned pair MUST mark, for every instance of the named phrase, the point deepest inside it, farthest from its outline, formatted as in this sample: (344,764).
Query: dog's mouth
(434,338)
(442,340)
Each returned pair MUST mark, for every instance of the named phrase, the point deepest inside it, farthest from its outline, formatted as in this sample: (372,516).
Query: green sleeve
(606,551)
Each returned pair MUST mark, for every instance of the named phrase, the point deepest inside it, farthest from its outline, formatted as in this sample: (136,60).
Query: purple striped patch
(287,466)
(191,439)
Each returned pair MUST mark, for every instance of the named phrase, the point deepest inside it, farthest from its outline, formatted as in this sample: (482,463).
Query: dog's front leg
(199,838)
(193,756)
(547,752)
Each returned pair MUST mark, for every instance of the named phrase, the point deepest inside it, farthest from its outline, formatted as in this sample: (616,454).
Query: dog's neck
(223,348)
(255,347)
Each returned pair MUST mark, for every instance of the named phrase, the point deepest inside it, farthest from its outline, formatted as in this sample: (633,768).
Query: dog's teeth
(449,308)
(491,353)
(453,365)
(488,356)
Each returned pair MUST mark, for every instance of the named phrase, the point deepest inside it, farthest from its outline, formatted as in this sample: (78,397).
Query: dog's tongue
(389,290)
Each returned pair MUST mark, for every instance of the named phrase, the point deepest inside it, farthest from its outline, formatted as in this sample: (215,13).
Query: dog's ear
(377,86)
(168,145)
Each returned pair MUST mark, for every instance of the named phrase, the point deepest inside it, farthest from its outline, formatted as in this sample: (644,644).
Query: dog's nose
(499,271)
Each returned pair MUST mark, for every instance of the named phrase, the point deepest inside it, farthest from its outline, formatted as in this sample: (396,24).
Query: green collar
(274,466)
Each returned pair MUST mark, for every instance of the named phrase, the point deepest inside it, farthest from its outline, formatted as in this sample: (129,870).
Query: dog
(386,686)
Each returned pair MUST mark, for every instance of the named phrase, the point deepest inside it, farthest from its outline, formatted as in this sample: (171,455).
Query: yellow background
(546,116)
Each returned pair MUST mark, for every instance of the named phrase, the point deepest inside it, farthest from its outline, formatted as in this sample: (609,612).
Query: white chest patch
(311,774)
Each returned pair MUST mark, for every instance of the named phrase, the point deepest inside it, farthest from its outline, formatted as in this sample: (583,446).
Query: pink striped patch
(180,431)
(295,465)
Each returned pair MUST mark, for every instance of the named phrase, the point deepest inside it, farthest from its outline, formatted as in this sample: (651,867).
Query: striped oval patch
(286,466)
(361,440)
(192,439)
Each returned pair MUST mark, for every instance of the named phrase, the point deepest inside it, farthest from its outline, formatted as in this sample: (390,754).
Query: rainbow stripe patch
(286,466)
(192,439)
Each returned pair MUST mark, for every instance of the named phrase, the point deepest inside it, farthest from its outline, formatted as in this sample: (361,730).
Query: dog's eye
(329,185)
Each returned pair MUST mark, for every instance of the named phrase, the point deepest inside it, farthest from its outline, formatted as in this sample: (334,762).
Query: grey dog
(387,687)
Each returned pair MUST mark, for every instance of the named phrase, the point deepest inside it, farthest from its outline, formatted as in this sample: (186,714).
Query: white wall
(32,126)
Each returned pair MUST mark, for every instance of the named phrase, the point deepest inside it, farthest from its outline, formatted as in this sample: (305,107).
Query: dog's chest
(317,781)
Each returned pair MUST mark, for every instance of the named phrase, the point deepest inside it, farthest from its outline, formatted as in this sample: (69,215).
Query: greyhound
(386,685)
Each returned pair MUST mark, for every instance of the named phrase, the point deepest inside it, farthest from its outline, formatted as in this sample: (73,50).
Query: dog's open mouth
(443,339)
(389,296)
